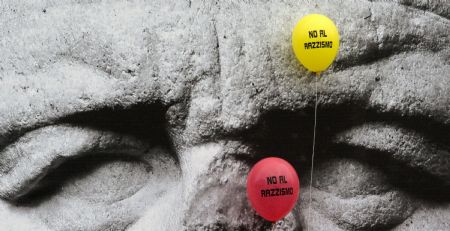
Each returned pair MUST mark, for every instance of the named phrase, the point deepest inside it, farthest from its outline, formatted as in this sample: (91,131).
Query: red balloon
(272,188)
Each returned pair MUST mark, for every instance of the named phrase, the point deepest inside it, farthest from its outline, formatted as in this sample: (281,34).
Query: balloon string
(313,150)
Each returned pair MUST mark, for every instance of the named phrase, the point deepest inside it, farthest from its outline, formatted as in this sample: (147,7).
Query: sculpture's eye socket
(93,170)
(371,172)
(104,178)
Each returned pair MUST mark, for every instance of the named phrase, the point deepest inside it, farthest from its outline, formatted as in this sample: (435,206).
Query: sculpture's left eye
(100,172)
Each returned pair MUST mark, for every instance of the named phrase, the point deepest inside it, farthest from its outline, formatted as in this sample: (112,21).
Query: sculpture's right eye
(368,174)
(90,176)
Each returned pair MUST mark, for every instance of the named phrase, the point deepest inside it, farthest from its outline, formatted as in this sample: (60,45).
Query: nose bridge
(203,103)
(258,71)
(240,79)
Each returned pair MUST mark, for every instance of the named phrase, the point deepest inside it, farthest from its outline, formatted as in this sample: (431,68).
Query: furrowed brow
(64,89)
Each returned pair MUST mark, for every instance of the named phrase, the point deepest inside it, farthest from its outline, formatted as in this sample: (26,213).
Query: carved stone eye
(107,178)
(357,196)
(80,176)
(92,192)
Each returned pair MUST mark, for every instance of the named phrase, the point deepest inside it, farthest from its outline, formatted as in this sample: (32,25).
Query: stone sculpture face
(147,115)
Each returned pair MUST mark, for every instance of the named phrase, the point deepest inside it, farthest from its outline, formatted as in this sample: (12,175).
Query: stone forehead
(228,62)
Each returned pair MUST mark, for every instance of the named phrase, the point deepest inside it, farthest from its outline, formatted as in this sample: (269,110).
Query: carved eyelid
(404,145)
(24,163)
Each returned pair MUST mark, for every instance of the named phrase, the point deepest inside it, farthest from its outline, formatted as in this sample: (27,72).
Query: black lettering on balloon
(320,44)
(271,180)
(312,34)
(273,192)
(282,179)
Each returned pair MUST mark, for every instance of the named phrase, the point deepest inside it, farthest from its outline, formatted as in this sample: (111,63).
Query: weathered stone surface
(187,95)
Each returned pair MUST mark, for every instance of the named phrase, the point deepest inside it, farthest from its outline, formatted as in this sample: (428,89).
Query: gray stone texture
(147,115)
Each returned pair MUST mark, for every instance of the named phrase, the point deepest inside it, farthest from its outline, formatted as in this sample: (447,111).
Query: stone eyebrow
(33,101)
(60,91)
(441,8)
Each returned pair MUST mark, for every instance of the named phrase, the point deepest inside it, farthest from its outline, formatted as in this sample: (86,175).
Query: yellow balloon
(315,40)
